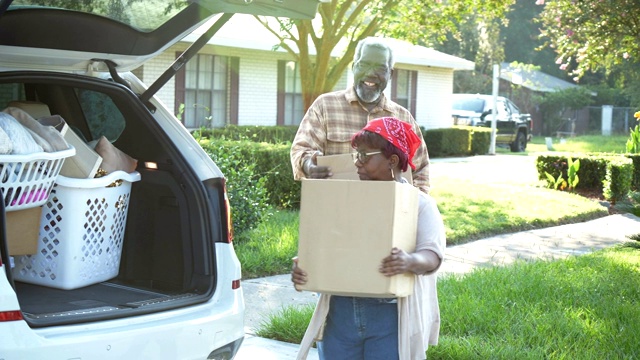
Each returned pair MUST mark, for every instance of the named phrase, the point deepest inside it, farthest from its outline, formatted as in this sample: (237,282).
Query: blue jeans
(360,329)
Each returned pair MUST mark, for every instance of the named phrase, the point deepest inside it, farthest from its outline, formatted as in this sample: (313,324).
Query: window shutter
(414,93)
(234,89)
(394,86)
(281,78)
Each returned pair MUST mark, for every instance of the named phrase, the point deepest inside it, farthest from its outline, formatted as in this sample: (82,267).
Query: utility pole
(494,111)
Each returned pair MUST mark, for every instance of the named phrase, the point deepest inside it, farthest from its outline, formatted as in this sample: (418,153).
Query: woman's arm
(399,262)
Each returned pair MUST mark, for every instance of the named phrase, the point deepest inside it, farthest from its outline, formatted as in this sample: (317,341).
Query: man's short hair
(376,42)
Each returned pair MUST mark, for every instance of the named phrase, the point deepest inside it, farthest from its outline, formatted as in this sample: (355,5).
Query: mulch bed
(596,195)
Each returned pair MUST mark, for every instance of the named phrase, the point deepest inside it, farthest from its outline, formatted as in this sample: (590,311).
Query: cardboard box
(344,168)
(347,227)
(23,228)
(85,163)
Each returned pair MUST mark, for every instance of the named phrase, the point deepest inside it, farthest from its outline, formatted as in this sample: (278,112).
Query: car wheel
(520,144)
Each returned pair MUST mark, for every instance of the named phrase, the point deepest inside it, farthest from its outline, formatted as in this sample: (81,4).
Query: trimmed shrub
(247,192)
(268,134)
(592,168)
(635,182)
(480,140)
(617,182)
(447,142)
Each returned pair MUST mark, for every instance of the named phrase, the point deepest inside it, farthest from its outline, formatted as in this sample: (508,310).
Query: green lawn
(585,307)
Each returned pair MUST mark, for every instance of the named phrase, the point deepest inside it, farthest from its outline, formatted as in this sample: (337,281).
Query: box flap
(341,165)
(344,168)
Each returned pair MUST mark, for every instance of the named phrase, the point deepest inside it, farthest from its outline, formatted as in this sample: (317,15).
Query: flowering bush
(633,143)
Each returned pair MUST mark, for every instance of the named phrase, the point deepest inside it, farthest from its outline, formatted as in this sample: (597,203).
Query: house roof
(533,79)
(243,31)
(408,53)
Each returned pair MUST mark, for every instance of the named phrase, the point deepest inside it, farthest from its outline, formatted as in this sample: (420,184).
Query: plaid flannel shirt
(332,120)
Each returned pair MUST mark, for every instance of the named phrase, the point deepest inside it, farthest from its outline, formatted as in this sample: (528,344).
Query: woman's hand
(298,276)
(398,262)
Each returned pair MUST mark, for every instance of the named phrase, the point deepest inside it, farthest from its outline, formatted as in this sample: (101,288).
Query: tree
(592,35)
(522,42)
(419,21)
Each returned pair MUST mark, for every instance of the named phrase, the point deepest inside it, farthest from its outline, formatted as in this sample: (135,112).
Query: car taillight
(235,284)
(10,315)
(227,208)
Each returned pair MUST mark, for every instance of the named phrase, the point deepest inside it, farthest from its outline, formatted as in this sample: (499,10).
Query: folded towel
(48,133)
(6,145)
(22,140)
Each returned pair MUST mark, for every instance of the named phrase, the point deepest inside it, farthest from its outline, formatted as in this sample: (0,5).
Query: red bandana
(398,133)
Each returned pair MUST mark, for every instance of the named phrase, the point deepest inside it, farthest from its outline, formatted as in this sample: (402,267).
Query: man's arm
(309,140)
(421,178)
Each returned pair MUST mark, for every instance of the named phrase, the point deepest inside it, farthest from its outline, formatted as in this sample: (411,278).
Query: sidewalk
(267,295)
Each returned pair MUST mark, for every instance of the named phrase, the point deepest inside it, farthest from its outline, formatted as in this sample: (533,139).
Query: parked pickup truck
(513,127)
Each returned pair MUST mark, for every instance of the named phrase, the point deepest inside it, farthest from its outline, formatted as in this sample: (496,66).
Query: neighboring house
(537,82)
(238,78)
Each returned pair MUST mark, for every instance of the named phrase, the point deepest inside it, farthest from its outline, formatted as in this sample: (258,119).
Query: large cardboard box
(347,227)
(23,228)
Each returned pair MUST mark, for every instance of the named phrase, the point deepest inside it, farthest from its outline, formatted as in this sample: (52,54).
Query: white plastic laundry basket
(26,180)
(81,233)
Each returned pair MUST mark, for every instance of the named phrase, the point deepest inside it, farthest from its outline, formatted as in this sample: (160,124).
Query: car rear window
(143,15)
(475,105)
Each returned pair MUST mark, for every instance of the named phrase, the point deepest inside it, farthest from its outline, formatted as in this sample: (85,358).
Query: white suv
(177,292)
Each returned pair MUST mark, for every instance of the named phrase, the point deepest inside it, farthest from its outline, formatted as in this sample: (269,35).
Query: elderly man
(333,118)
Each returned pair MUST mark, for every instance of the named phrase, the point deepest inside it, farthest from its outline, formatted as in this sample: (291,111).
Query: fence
(621,120)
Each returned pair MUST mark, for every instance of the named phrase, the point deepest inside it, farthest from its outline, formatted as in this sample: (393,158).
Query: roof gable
(533,79)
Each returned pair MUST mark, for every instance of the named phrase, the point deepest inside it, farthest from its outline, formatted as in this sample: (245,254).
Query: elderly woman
(380,328)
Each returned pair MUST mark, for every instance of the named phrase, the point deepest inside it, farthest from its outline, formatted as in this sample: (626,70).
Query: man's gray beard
(367,96)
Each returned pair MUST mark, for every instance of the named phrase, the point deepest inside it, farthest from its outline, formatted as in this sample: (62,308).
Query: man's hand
(314,171)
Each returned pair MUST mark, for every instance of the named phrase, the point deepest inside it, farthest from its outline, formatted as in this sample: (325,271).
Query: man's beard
(368,95)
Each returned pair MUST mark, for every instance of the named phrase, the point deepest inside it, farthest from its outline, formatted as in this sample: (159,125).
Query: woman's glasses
(362,156)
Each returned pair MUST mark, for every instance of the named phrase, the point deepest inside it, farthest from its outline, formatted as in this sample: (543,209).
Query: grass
(585,307)
(469,213)
(288,324)
(472,208)
(268,249)
(580,144)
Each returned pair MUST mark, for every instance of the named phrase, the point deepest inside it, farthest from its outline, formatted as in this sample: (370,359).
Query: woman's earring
(393,176)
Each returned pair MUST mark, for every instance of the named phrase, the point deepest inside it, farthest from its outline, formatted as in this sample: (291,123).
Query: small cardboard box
(347,227)
(23,228)
(341,165)
(85,163)
(344,168)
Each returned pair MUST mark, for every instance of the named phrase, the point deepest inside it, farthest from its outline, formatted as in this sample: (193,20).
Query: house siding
(258,85)
(433,105)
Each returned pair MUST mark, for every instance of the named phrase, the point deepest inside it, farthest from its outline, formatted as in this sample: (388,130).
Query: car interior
(167,260)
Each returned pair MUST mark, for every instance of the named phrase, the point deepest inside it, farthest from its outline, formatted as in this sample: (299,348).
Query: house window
(404,89)
(208,87)
(205,91)
(290,105)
